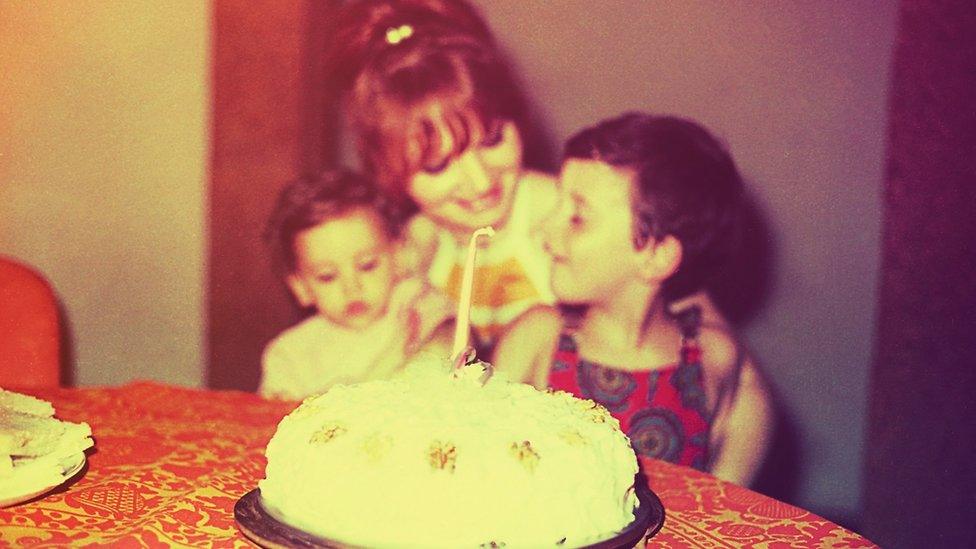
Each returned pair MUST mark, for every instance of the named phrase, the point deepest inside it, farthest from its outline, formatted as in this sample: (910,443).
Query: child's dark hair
(685,185)
(312,200)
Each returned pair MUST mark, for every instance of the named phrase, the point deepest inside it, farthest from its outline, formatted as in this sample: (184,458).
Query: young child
(647,211)
(334,243)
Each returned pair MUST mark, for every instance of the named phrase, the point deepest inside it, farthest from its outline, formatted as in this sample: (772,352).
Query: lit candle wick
(462,328)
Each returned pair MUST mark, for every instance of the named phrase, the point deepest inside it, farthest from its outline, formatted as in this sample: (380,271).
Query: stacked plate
(37,450)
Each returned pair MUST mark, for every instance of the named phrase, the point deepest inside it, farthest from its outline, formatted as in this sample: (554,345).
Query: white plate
(13,492)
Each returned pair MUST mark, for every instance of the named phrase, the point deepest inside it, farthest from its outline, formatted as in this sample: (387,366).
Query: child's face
(344,269)
(474,189)
(590,238)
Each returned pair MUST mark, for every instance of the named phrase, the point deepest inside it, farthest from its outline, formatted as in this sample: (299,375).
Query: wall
(103,152)
(920,483)
(798,91)
(268,127)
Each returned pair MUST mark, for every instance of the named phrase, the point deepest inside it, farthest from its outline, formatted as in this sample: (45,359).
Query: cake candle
(462,327)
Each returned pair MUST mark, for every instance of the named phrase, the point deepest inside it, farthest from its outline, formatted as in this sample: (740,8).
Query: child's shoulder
(537,179)
(541,185)
(299,335)
(539,190)
(420,230)
(721,351)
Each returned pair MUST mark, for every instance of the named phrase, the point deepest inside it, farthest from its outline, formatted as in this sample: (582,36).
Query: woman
(439,124)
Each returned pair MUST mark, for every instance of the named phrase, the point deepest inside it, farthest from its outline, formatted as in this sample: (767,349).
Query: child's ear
(299,290)
(661,258)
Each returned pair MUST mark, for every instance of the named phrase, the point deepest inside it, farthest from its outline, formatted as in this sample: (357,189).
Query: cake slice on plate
(33,443)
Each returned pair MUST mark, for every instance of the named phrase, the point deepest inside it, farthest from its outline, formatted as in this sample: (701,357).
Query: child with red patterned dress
(647,213)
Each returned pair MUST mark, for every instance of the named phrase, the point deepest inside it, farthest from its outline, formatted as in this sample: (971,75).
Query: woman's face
(464,192)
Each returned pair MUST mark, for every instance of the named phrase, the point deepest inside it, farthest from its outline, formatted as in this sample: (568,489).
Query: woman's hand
(424,316)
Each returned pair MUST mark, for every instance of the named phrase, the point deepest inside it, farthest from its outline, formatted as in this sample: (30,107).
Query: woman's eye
(434,168)
(493,136)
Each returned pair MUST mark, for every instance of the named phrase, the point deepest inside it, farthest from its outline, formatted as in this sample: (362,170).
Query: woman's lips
(484,202)
(356,308)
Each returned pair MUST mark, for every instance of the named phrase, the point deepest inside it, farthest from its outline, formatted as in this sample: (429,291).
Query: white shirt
(314,355)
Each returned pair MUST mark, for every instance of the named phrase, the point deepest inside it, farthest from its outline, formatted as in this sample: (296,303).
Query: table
(170,463)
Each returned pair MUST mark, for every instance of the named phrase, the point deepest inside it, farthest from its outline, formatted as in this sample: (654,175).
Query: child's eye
(493,135)
(325,278)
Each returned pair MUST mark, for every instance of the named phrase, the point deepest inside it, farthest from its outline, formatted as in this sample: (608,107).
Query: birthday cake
(432,459)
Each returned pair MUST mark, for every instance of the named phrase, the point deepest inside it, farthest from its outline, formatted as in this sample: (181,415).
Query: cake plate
(13,490)
(264,529)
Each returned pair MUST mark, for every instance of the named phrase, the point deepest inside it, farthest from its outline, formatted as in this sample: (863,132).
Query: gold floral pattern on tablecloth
(702,511)
(170,463)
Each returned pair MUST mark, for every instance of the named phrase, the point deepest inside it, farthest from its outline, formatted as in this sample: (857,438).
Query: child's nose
(352,286)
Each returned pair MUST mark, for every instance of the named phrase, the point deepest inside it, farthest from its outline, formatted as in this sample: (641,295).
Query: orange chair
(29,328)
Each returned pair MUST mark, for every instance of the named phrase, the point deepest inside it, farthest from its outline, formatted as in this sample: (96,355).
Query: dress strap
(689,322)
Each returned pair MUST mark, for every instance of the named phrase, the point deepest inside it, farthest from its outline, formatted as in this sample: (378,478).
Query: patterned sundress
(663,411)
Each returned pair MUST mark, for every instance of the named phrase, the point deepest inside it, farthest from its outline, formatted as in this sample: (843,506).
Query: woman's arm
(438,343)
(524,350)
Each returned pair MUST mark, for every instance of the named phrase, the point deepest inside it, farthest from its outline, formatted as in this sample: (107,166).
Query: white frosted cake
(435,460)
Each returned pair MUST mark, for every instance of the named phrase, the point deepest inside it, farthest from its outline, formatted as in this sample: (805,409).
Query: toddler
(334,242)
(647,211)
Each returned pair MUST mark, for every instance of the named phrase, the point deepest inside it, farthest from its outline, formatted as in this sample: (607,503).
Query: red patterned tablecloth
(170,463)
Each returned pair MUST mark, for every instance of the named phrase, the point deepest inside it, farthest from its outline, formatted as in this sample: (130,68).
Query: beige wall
(103,153)
(798,90)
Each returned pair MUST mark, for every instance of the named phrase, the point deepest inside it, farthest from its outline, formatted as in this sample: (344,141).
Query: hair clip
(395,35)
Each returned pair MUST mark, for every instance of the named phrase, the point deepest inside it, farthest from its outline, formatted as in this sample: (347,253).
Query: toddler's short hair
(685,184)
(312,200)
